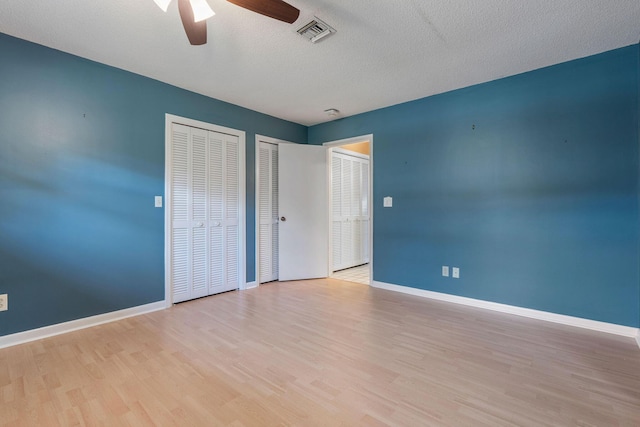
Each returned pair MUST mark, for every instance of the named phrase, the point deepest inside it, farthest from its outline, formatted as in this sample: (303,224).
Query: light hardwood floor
(323,353)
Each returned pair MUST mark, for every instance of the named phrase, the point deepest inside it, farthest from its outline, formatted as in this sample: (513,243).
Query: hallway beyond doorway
(359,274)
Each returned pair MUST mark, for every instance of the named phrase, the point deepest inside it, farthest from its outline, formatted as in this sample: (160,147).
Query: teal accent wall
(81,159)
(529,184)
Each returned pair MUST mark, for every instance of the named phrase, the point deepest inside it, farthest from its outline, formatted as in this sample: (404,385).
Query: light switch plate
(455,273)
(158,201)
(4,302)
(445,271)
(387,202)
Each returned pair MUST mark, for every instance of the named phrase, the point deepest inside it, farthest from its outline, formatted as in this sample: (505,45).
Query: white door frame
(259,139)
(170,119)
(335,144)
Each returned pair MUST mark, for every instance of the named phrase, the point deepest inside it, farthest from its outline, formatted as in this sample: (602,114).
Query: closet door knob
(283,219)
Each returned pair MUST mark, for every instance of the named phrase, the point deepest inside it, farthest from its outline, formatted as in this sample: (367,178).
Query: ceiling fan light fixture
(163,4)
(201,10)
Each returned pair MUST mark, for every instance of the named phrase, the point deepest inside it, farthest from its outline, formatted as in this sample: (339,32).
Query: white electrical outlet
(157,201)
(456,273)
(4,302)
(445,270)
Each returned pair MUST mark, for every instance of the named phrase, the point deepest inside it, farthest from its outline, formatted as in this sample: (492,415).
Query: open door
(304,223)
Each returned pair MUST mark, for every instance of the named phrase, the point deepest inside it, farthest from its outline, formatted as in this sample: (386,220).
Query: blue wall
(529,184)
(81,157)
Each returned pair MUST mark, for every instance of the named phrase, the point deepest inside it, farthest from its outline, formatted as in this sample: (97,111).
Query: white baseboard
(251,285)
(74,325)
(595,325)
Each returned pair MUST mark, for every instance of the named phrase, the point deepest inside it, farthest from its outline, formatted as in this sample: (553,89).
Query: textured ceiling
(384,52)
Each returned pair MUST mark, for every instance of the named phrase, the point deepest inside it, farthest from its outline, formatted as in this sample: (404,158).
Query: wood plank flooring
(322,353)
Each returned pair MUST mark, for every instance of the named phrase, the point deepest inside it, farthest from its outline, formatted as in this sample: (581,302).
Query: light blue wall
(81,157)
(529,184)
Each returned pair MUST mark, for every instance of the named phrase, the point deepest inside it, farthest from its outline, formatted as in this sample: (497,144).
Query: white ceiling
(384,52)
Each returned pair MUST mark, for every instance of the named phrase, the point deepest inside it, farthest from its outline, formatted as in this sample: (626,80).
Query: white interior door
(303,210)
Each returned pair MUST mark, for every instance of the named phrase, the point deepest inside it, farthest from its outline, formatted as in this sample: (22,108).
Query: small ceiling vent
(315,30)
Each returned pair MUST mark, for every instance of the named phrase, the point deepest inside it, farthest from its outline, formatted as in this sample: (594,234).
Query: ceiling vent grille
(315,30)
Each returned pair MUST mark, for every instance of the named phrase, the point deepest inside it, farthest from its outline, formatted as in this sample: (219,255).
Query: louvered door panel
(205,208)
(347,229)
(180,264)
(232,195)
(216,260)
(268,211)
(275,214)
(264,212)
(356,190)
(180,173)
(199,282)
(365,240)
(216,180)
(198,175)
(199,263)
(180,200)
(336,211)
(232,211)
(216,267)
(365,212)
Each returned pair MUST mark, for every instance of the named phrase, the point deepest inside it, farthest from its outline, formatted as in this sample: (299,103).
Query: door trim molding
(258,140)
(335,144)
(170,119)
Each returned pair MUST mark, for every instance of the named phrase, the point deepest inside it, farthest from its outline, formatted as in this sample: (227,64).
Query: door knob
(200,224)
(283,219)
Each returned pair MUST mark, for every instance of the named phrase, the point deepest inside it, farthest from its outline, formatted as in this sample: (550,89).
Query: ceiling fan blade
(276,9)
(196,31)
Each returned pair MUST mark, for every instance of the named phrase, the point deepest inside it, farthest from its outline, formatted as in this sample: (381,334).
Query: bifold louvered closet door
(350,210)
(268,211)
(205,209)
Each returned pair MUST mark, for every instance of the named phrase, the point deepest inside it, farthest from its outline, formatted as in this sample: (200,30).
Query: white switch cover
(445,271)
(455,273)
(387,202)
(158,201)
(4,302)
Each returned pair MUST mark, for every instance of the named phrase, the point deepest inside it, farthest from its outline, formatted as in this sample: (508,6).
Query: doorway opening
(350,195)
(297,234)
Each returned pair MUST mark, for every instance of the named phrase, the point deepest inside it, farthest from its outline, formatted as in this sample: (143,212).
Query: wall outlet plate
(445,270)
(4,302)
(456,273)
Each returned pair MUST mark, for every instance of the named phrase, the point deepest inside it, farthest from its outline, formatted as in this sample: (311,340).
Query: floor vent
(315,30)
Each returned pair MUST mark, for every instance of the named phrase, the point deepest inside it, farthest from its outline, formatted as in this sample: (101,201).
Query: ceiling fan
(194,14)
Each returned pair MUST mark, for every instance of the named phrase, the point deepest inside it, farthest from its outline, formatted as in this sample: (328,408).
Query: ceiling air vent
(315,30)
